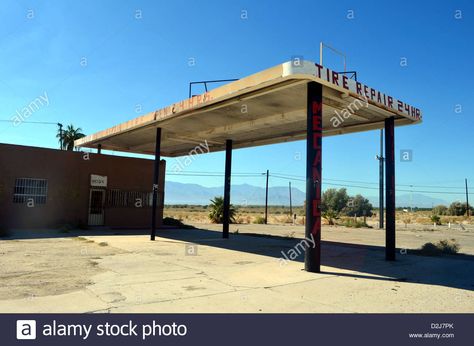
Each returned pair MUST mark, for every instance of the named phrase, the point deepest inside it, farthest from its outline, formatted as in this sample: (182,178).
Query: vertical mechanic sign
(313,175)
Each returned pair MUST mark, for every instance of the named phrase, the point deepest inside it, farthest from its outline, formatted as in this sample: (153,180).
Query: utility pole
(291,208)
(266,201)
(467,199)
(381,182)
(60,136)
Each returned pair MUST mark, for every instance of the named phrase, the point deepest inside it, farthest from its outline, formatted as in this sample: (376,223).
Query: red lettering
(316,107)
(317,227)
(316,140)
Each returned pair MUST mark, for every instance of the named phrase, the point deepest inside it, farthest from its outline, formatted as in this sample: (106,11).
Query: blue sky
(98,64)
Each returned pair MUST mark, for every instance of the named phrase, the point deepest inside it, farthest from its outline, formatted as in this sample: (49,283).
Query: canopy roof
(264,108)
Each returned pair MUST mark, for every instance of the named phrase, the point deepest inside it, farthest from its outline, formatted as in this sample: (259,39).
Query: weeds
(442,247)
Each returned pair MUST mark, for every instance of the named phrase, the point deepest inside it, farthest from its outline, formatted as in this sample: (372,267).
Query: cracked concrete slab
(242,274)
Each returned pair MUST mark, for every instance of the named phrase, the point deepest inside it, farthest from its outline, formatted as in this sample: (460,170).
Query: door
(96,207)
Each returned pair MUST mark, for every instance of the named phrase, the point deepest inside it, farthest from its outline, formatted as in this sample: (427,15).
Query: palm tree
(68,136)
(216,215)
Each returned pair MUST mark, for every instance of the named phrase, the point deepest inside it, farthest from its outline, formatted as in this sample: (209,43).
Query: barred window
(27,189)
(128,199)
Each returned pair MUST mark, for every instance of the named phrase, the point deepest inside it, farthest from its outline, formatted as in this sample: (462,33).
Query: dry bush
(442,247)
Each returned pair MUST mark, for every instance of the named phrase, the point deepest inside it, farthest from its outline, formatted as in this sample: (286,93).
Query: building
(291,101)
(42,187)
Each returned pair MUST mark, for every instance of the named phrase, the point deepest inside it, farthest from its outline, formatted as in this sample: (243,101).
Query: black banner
(237,329)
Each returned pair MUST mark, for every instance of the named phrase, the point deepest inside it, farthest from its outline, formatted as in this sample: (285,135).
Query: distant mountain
(414,200)
(245,194)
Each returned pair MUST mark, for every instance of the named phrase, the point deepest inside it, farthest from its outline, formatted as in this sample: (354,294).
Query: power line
(28,122)
(372,183)
(376,188)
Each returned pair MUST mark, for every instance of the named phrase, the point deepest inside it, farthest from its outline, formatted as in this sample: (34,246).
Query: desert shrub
(442,247)
(334,200)
(457,209)
(440,210)
(331,216)
(259,220)
(435,219)
(285,219)
(355,223)
(358,206)
(216,213)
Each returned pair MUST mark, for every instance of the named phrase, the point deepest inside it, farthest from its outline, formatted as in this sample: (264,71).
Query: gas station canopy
(264,108)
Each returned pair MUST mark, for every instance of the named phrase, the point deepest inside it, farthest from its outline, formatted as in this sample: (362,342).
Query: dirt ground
(411,238)
(50,266)
(281,216)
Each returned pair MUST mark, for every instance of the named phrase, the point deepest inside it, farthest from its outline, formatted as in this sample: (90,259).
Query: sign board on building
(98,180)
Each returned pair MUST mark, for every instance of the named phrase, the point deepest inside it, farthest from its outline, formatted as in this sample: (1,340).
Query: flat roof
(264,108)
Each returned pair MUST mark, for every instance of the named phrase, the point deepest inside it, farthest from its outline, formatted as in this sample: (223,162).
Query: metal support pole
(381,182)
(467,199)
(61,142)
(390,188)
(99,148)
(312,260)
(156,174)
(266,200)
(228,168)
(291,207)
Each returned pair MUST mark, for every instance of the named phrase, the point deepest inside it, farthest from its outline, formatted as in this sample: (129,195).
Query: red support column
(390,189)
(313,177)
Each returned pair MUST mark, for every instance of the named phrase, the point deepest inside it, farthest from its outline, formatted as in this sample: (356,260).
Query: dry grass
(442,247)
(281,215)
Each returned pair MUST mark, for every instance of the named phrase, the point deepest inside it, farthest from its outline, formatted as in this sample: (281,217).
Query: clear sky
(99,63)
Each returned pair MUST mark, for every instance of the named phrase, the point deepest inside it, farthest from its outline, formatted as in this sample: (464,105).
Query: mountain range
(245,194)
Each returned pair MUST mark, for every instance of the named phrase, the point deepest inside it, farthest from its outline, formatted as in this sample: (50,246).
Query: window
(30,189)
(128,199)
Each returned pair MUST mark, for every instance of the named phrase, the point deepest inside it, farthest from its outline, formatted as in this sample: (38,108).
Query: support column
(390,189)
(99,148)
(312,260)
(228,168)
(381,172)
(156,174)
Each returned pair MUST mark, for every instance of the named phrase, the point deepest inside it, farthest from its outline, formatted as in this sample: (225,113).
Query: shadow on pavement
(357,261)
